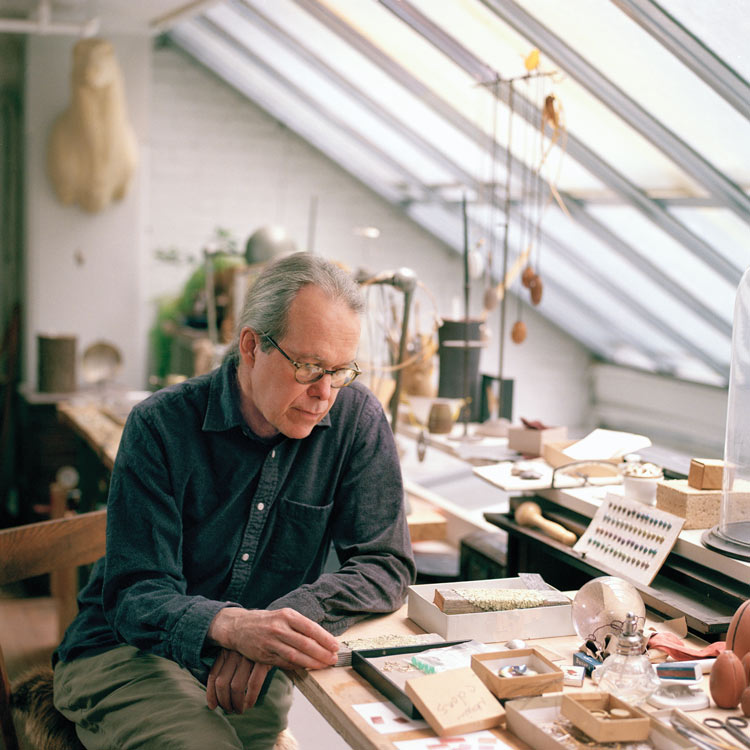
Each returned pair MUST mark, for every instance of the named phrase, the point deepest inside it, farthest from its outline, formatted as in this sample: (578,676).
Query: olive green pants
(126,698)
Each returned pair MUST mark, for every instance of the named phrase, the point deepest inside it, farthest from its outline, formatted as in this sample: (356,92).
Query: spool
(56,363)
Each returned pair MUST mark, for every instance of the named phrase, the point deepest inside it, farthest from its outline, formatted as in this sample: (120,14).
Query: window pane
(648,73)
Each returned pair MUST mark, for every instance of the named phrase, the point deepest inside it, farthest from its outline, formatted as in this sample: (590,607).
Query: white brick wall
(218,160)
(210,158)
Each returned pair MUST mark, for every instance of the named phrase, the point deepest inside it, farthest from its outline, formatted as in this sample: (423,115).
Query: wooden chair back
(55,547)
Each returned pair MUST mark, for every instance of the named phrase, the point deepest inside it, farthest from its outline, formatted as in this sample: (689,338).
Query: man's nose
(321,388)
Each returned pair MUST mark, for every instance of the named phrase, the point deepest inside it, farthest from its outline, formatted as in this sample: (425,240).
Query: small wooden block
(454,702)
(448,601)
(706,473)
(424,522)
(459,601)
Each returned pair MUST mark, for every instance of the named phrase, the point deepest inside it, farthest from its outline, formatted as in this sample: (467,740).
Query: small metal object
(513,670)
(421,446)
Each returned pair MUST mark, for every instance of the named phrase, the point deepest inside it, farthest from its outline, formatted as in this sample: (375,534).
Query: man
(226,494)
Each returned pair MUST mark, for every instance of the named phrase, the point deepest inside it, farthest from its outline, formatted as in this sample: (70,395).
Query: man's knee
(125,698)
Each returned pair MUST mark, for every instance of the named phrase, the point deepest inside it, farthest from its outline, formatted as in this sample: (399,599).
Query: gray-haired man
(226,494)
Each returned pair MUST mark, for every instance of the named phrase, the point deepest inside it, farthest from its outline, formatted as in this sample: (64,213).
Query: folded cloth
(533,424)
(676,648)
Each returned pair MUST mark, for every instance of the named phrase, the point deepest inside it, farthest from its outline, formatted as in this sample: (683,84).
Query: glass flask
(628,674)
(732,535)
(600,606)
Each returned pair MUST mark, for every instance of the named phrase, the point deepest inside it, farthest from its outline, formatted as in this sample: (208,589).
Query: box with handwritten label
(454,702)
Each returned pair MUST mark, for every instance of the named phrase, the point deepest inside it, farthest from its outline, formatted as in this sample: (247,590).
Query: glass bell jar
(732,534)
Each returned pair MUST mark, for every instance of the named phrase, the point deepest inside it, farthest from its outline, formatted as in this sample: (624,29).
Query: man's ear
(249,345)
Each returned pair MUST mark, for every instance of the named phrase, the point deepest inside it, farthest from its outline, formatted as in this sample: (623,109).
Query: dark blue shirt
(203,514)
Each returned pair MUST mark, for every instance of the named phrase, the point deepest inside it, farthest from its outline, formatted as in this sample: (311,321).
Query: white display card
(630,538)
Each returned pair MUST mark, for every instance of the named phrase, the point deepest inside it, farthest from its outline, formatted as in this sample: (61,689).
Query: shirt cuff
(189,636)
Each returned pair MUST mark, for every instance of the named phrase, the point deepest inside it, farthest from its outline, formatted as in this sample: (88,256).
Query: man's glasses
(306,372)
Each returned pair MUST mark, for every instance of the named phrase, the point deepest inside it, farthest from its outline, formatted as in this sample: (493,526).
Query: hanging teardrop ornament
(536,289)
(528,276)
(490,298)
(532,60)
(518,332)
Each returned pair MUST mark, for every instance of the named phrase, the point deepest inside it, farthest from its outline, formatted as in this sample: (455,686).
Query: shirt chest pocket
(298,534)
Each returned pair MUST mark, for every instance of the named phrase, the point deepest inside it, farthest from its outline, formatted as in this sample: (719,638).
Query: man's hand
(234,682)
(281,637)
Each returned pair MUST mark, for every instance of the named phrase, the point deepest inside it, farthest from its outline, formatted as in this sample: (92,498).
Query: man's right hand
(282,637)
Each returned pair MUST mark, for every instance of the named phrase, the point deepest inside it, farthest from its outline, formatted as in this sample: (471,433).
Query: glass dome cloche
(732,534)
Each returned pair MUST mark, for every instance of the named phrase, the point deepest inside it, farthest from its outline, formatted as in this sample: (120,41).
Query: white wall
(210,159)
(83,271)
(686,416)
(219,161)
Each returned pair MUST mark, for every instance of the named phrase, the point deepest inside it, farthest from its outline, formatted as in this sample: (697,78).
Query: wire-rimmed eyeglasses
(306,373)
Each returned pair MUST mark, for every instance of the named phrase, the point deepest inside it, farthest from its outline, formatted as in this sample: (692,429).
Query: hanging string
(493,177)
(508,168)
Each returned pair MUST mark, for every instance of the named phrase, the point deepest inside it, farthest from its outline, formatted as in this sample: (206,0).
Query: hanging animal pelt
(92,151)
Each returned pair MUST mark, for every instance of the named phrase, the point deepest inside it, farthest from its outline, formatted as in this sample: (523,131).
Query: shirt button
(260,506)
(273,453)
(245,557)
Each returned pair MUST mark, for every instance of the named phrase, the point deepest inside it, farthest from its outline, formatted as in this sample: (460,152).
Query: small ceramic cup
(440,418)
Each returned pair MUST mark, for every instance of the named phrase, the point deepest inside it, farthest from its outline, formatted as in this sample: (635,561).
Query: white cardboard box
(490,627)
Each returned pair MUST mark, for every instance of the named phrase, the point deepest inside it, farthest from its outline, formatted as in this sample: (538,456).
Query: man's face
(320,331)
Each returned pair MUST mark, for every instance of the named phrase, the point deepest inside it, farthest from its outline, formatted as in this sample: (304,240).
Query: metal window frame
(699,168)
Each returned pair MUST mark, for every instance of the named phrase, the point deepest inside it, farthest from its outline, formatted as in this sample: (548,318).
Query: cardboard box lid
(554,454)
(455,701)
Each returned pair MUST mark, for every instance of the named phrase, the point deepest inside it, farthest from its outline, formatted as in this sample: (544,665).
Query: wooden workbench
(334,691)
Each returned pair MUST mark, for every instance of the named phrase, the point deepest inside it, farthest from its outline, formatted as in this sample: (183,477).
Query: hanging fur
(43,724)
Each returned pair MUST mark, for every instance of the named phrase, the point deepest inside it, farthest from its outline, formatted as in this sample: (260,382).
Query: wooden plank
(452,603)
(101,432)
(38,548)
(424,522)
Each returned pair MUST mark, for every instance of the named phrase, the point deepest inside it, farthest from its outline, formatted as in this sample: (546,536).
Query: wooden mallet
(530,514)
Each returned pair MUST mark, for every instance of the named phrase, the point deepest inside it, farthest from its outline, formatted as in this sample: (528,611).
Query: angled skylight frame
(701,170)
(464,57)
(418,190)
(714,71)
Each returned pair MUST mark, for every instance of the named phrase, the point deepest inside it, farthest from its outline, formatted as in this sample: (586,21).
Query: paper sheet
(604,444)
(483,740)
(386,718)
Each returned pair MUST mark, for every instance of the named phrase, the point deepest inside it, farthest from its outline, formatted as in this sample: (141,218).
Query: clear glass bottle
(628,674)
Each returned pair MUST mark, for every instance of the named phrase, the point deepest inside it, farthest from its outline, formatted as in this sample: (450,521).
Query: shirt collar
(223,409)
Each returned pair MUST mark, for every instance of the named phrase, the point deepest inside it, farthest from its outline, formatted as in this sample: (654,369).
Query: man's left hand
(234,682)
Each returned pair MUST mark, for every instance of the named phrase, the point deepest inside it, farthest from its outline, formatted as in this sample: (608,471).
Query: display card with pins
(629,537)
